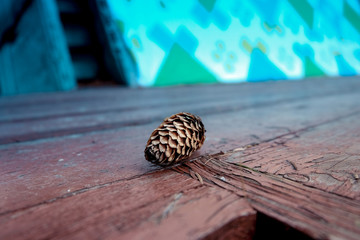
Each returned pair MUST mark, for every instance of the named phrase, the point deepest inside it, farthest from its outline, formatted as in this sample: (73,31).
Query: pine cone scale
(188,133)
(187,142)
(178,149)
(181,133)
(162,148)
(163,133)
(155,142)
(163,139)
(172,143)
(181,141)
(173,135)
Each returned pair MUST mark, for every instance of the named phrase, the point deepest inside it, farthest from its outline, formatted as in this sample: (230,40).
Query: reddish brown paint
(93,181)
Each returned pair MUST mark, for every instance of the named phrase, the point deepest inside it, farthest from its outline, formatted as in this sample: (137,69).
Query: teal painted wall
(37,59)
(205,41)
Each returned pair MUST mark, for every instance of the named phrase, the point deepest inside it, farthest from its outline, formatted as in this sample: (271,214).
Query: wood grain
(155,203)
(111,109)
(289,150)
(305,178)
(86,160)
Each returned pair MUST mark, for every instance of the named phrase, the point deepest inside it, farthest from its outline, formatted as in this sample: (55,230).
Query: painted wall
(188,41)
(37,58)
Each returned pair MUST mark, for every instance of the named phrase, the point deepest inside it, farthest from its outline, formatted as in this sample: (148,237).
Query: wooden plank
(319,214)
(305,179)
(122,210)
(79,123)
(287,147)
(81,161)
(120,99)
(326,157)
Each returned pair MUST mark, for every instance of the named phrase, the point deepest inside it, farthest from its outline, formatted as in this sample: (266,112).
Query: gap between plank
(80,131)
(125,108)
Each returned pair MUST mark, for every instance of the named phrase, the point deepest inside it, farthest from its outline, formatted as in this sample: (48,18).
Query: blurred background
(59,45)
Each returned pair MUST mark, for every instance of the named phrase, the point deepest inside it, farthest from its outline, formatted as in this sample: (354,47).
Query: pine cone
(175,139)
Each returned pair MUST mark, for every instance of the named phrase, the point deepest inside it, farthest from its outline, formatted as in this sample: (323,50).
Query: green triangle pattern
(352,16)
(208,4)
(305,10)
(311,69)
(180,68)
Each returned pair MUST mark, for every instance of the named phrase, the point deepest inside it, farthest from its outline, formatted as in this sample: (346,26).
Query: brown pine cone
(175,139)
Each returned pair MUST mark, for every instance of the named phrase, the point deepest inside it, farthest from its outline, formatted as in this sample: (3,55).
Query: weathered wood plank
(65,125)
(326,157)
(81,161)
(292,150)
(281,178)
(153,205)
(317,213)
(91,101)
(307,85)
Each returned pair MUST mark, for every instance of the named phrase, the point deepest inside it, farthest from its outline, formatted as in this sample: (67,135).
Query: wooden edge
(317,213)
(161,205)
(242,227)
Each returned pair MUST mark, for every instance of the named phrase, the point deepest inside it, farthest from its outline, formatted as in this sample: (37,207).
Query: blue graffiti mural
(234,41)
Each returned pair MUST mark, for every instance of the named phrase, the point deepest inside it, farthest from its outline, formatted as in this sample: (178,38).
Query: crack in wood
(76,192)
(210,163)
(170,207)
(220,209)
(271,191)
(292,164)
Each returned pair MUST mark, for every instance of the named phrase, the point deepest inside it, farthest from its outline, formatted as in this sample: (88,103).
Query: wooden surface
(72,164)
